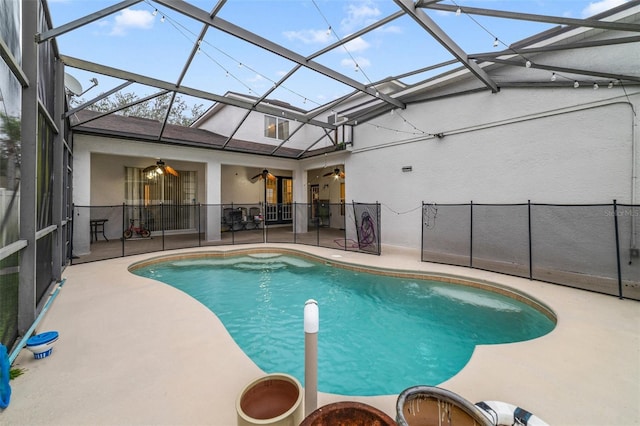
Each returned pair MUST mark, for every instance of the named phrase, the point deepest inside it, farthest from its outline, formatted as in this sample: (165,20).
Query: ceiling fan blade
(342,175)
(270,176)
(149,169)
(256,176)
(171,171)
(327,174)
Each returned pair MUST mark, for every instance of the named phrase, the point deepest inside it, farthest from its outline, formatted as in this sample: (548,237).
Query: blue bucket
(5,388)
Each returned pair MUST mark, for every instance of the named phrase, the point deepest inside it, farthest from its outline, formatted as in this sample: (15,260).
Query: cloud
(390,29)
(600,6)
(361,61)
(359,15)
(256,79)
(310,36)
(358,44)
(131,19)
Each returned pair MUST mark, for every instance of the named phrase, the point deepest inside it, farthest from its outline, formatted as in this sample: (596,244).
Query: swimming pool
(379,334)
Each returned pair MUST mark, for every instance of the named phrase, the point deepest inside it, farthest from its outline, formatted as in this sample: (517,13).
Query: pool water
(378,334)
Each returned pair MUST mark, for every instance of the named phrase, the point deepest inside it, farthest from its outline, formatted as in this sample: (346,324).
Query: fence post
(422,233)
(199,207)
(73,221)
(344,223)
(530,253)
(162,223)
(295,216)
(471,234)
(318,227)
(124,226)
(233,219)
(615,222)
(379,218)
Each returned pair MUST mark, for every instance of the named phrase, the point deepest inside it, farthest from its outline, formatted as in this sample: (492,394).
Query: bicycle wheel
(145,233)
(127,233)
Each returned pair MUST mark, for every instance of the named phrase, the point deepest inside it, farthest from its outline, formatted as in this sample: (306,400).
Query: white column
(214,196)
(81,198)
(300,194)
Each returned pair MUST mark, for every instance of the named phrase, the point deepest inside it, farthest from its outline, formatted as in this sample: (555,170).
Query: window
(287,191)
(272,186)
(167,189)
(276,128)
(163,201)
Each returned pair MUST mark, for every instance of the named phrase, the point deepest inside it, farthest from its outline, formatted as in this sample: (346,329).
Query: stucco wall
(548,146)
(238,188)
(227,118)
(108,176)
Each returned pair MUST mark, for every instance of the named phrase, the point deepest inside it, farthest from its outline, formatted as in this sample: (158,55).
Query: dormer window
(276,128)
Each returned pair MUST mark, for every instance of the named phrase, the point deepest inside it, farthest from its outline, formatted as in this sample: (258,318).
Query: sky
(155,41)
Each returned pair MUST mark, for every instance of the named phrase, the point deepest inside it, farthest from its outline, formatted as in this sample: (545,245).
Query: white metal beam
(443,38)
(229,28)
(55,32)
(160,84)
(590,23)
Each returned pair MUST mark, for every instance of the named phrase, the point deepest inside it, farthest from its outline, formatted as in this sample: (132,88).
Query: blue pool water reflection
(378,334)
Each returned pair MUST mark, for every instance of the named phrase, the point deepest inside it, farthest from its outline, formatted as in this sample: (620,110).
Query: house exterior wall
(227,118)
(530,141)
(238,188)
(99,176)
(544,145)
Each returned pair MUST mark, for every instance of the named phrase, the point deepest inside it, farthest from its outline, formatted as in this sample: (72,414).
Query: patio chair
(227,218)
(255,218)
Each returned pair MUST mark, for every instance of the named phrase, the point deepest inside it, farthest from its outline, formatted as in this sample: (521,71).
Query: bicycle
(140,230)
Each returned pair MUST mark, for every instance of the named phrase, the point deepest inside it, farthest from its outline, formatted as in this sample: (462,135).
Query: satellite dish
(72,84)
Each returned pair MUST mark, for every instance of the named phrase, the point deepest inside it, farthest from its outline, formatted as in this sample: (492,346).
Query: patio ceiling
(436,53)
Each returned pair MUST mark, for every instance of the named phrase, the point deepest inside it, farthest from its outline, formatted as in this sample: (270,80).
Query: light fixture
(159,169)
(329,30)
(162,19)
(495,42)
(336,173)
(595,86)
(527,64)
(576,84)
(610,86)
(553,76)
(264,175)
(458,11)
(155,12)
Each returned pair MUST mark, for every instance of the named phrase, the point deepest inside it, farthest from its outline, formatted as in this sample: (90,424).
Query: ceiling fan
(336,172)
(159,169)
(264,175)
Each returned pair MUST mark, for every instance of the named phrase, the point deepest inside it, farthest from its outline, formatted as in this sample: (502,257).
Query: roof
(146,130)
(457,72)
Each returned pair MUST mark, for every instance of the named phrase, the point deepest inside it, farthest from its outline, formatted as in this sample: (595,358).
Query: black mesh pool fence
(592,246)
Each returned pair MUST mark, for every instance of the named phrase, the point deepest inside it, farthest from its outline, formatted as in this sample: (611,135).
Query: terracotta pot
(274,399)
(348,413)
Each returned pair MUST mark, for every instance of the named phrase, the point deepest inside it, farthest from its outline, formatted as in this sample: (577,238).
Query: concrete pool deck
(133,351)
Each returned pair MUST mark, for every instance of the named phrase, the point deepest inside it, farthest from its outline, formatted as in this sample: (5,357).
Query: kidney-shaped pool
(379,334)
